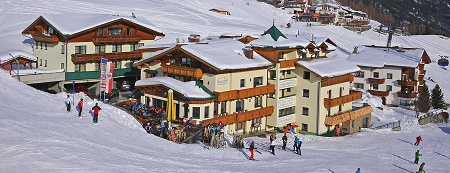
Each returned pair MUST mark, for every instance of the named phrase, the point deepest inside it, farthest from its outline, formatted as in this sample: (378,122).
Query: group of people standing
(95,110)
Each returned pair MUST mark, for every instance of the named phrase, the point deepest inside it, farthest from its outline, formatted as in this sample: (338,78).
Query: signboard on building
(286,102)
(222,81)
(103,63)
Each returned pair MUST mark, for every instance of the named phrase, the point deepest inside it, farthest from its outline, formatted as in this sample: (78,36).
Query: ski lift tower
(393,27)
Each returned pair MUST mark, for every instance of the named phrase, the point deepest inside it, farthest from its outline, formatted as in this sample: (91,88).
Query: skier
(163,129)
(284,141)
(96,109)
(68,103)
(418,139)
(416,161)
(358,170)
(298,145)
(421,166)
(272,147)
(252,152)
(80,107)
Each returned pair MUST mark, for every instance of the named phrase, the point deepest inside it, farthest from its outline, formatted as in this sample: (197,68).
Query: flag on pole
(103,63)
(109,77)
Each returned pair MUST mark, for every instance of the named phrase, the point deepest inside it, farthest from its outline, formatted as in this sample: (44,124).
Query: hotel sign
(222,81)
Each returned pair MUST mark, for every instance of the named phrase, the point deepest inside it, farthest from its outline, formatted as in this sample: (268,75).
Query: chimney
(355,49)
(312,39)
(194,38)
(248,52)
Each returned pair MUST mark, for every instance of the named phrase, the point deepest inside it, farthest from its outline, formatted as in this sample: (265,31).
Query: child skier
(418,139)
(96,109)
(68,103)
(252,152)
(80,107)
(416,161)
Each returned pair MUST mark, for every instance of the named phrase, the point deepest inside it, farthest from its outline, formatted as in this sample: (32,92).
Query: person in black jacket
(284,141)
(252,152)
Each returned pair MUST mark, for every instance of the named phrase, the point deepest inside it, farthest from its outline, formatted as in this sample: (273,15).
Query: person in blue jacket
(358,171)
(298,145)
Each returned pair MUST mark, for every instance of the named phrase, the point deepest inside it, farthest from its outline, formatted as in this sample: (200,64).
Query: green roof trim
(274,33)
(199,84)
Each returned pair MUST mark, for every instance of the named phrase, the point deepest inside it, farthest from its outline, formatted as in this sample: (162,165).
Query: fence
(392,125)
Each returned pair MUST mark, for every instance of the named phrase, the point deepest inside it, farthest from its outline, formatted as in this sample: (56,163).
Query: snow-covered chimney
(194,38)
(355,49)
(248,52)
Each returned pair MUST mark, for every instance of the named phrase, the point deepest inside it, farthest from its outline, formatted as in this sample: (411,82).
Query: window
(100,49)
(128,31)
(272,74)
(359,85)
(316,53)
(305,111)
(288,71)
(134,47)
(45,46)
(45,64)
(286,111)
(281,55)
(216,108)
(100,32)
(117,48)
(223,107)
(206,112)
(186,62)
(306,93)
(306,75)
(340,108)
(376,74)
(239,126)
(97,66)
(80,49)
(114,31)
(304,127)
(375,86)
(117,64)
(62,65)
(257,81)
(288,89)
(258,101)
(239,105)
(242,83)
(40,64)
(389,75)
(304,55)
(196,112)
(359,74)
(80,67)
(63,47)
(388,87)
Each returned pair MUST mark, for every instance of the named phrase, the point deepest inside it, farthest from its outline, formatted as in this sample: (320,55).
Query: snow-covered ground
(37,135)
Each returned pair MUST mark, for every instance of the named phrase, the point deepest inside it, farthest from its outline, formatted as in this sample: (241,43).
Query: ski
(258,151)
(204,146)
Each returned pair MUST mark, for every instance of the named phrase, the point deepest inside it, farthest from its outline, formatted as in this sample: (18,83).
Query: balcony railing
(89,58)
(45,38)
(337,80)
(240,116)
(379,93)
(245,93)
(196,73)
(376,80)
(288,63)
(355,95)
(407,95)
(117,39)
(346,116)
(407,83)
(96,74)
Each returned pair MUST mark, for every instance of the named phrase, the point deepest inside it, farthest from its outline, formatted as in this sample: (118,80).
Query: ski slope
(37,135)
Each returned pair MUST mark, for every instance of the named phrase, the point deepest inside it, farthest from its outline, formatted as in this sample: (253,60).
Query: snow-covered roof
(158,45)
(329,67)
(6,56)
(71,24)
(226,55)
(187,89)
(290,42)
(24,72)
(151,55)
(330,46)
(381,56)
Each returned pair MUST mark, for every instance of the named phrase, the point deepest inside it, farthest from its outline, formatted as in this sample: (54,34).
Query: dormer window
(100,32)
(114,31)
(50,30)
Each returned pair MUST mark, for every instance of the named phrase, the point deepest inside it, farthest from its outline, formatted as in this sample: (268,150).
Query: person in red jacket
(418,139)
(96,109)
(80,107)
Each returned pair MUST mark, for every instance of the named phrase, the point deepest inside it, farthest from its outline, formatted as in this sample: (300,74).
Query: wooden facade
(376,80)
(337,80)
(407,83)
(343,117)
(245,93)
(379,93)
(288,63)
(53,39)
(407,95)
(196,73)
(240,116)
(355,95)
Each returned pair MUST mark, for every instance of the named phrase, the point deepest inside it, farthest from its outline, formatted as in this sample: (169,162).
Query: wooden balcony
(407,83)
(407,95)
(376,80)
(91,58)
(355,95)
(257,91)
(196,73)
(225,96)
(337,80)
(288,63)
(421,81)
(379,93)
(346,116)
(117,39)
(53,39)
(240,116)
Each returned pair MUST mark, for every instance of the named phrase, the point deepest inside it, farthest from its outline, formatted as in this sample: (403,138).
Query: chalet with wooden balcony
(76,43)
(233,76)
(393,73)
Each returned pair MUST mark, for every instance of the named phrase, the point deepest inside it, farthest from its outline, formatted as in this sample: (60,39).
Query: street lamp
(17,64)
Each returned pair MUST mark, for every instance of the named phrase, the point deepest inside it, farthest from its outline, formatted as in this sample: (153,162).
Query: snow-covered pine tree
(423,102)
(437,98)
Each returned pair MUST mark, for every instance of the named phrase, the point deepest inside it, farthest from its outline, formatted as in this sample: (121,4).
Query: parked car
(124,85)
(81,88)
(109,98)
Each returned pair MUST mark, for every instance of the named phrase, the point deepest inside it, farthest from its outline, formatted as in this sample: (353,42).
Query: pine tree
(423,102)
(437,98)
